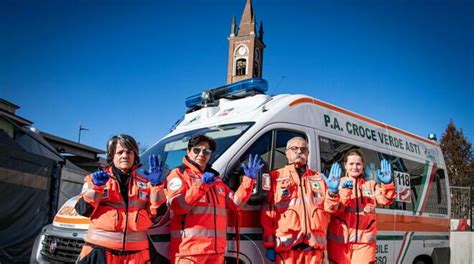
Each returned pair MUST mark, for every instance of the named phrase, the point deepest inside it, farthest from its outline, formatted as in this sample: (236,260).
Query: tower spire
(247,22)
(232,27)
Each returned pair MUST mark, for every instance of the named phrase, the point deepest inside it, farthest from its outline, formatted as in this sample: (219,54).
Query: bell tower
(245,47)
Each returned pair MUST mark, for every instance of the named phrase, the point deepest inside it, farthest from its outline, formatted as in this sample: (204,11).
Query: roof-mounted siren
(432,136)
(235,90)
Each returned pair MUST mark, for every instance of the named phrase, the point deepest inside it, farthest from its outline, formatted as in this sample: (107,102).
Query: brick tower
(245,47)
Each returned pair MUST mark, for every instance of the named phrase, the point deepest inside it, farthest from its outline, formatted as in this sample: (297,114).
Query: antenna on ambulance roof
(278,84)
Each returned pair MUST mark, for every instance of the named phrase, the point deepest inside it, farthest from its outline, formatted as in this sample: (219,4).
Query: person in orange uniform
(120,204)
(298,207)
(199,200)
(353,229)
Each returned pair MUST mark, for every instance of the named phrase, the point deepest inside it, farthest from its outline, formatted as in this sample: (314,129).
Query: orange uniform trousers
(198,259)
(348,253)
(313,256)
(90,254)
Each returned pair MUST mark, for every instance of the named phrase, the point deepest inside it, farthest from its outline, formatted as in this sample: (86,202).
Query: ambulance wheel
(230,260)
(423,260)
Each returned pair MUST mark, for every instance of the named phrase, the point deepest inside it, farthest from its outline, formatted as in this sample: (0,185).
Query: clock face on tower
(242,50)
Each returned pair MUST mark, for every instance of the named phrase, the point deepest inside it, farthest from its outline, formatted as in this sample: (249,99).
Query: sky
(127,66)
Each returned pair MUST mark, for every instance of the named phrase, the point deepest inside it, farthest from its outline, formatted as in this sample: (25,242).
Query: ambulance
(243,119)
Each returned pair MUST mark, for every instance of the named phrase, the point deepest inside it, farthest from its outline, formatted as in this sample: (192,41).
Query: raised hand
(208,178)
(384,174)
(100,177)
(154,174)
(252,169)
(334,178)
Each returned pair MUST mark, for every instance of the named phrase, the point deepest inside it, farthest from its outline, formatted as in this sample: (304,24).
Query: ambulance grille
(61,250)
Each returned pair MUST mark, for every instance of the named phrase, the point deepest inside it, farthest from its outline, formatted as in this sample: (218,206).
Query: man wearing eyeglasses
(198,200)
(298,207)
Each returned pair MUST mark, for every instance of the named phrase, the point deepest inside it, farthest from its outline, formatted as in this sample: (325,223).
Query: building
(81,155)
(245,47)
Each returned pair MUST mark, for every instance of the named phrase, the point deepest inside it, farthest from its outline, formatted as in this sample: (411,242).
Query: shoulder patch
(174,184)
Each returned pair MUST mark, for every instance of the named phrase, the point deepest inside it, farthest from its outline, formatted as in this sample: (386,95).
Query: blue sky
(127,66)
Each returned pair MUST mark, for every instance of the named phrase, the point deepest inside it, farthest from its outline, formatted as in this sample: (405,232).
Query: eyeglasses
(295,149)
(205,151)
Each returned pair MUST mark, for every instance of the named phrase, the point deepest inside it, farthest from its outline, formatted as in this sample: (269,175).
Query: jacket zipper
(357,210)
(215,221)
(126,216)
(304,206)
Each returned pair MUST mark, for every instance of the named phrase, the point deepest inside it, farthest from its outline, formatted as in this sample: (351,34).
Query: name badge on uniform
(106,193)
(368,192)
(220,191)
(141,185)
(203,199)
(142,195)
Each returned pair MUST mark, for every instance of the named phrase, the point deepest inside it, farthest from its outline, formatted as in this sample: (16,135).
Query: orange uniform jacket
(115,224)
(199,211)
(355,220)
(297,210)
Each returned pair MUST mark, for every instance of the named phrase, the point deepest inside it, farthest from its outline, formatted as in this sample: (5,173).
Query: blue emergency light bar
(240,88)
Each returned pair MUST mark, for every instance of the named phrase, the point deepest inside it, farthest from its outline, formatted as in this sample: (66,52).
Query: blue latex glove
(270,254)
(100,177)
(252,169)
(384,174)
(208,178)
(154,174)
(370,172)
(334,178)
(347,184)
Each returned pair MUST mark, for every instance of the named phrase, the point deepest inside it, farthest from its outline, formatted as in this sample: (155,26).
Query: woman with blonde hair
(352,231)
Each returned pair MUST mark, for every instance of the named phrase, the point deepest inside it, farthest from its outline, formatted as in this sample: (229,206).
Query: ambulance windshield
(172,150)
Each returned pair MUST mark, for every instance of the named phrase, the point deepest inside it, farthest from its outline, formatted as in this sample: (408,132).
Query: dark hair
(354,152)
(125,141)
(197,139)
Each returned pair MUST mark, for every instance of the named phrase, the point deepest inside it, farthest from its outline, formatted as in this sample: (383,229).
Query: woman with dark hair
(199,200)
(353,230)
(120,204)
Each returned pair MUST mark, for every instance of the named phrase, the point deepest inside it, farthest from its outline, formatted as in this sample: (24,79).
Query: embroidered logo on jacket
(141,185)
(174,184)
(285,193)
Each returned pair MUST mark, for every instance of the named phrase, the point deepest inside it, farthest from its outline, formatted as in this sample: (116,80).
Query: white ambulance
(244,120)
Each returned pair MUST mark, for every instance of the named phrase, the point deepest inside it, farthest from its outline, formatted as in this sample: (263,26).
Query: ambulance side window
(262,147)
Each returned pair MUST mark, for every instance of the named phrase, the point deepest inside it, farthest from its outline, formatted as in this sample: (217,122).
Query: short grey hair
(293,139)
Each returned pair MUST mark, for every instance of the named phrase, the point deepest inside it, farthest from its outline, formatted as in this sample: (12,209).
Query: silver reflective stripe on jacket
(192,232)
(115,237)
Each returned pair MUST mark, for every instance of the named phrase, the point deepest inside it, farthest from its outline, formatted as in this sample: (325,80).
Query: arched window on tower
(256,72)
(241,67)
